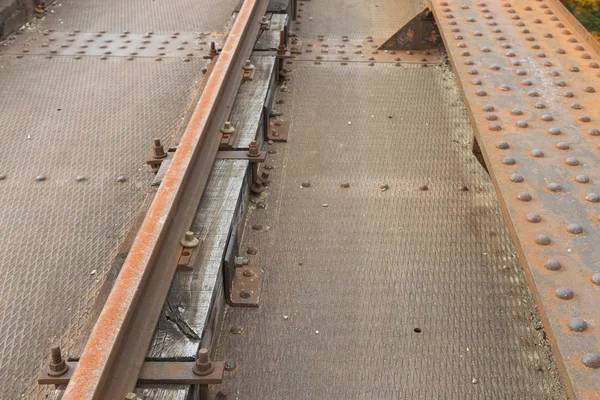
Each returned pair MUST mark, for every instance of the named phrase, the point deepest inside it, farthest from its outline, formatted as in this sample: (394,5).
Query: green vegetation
(587,12)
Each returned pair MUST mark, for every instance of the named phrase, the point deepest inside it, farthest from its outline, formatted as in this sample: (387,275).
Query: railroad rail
(529,76)
(113,357)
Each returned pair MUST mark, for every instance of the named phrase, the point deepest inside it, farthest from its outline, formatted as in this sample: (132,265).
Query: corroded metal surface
(382,293)
(530,80)
(418,34)
(118,344)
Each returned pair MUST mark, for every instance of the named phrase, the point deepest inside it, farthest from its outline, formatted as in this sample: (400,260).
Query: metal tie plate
(529,73)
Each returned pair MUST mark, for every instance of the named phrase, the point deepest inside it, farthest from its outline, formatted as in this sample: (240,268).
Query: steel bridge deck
(91,115)
(414,291)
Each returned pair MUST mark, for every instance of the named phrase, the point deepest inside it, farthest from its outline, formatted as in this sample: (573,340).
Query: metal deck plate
(530,81)
(371,293)
(63,118)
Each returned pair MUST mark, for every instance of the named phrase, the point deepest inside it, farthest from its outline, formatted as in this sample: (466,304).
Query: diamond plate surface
(355,18)
(64,118)
(402,293)
(158,16)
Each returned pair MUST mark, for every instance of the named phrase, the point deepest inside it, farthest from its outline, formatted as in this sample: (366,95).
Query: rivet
(497,30)
(494,67)
(476,82)
(509,46)
(554,131)
(547,63)
(491,117)
(537,47)
(80,178)
(576,106)
(526,82)
(481,93)
(575,229)
(516,178)
(537,21)
(586,56)
(582,178)
(566,32)
(542,240)
(488,108)
(584,118)
(522,123)
(504,87)
(533,93)
(596,278)
(572,161)
(494,127)
(121,178)
(552,264)
(460,45)
(594,132)
(530,38)
(547,117)
(472,71)
(568,94)
(589,89)
(469,62)
(536,153)
(594,65)
(521,72)
(577,324)
(560,83)
(502,145)
(593,197)
(591,360)
(477,33)
(509,161)
(554,187)
(40,178)
(574,69)
(471,19)
(524,196)
(516,111)
(548,35)
(564,293)
(510,54)
(533,218)
(485,49)
(562,146)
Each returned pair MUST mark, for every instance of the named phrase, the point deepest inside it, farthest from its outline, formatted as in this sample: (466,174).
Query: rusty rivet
(575,229)
(554,187)
(582,178)
(547,117)
(471,19)
(596,278)
(594,65)
(576,106)
(586,56)
(488,108)
(472,71)
(481,93)
(533,93)
(476,82)
(494,127)
(502,145)
(537,21)
(521,72)
(589,89)
(477,33)
(516,111)
(552,265)
(577,324)
(554,131)
(591,360)
(509,161)
(491,117)
(560,83)
(522,123)
(593,198)
(469,62)
(584,118)
(594,132)
(562,146)
(542,240)
(504,87)
(536,153)
(494,67)
(516,178)
(568,94)
(574,69)
(533,217)
(564,293)
(524,196)
(572,161)
(509,46)
(526,82)
(547,63)
(537,47)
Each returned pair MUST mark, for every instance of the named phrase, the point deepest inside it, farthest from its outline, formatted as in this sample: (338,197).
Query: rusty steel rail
(111,361)
(529,74)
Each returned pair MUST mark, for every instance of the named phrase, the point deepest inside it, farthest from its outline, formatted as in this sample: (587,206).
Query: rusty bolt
(213,49)
(203,366)
(248,273)
(253,150)
(281,49)
(264,21)
(265,178)
(227,128)
(159,151)
(57,366)
(189,240)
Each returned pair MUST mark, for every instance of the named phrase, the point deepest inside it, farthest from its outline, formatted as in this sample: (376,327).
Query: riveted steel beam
(529,73)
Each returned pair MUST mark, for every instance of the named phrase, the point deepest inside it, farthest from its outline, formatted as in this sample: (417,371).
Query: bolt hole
(186,253)
(417,330)
(59,109)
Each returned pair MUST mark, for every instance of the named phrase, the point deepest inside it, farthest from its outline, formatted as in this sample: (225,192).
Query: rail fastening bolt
(253,150)
(189,240)
(159,150)
(227,128)
(203,366)
(248,66)
(57,366)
